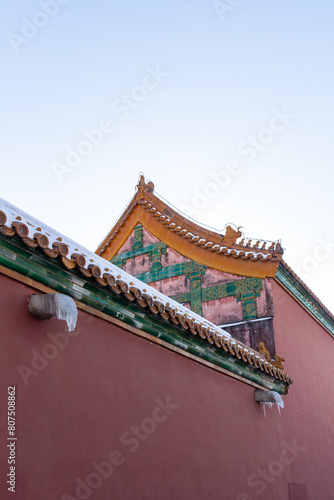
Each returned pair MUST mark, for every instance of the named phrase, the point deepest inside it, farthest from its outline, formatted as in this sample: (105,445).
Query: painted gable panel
(223,298)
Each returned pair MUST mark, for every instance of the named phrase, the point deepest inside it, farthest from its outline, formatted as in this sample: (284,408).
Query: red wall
(107,381)
(309,406)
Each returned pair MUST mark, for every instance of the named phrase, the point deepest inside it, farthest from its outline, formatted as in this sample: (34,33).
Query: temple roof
(18,229)
(230,252)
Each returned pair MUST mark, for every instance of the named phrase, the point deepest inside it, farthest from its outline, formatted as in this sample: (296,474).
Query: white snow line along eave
(14,214)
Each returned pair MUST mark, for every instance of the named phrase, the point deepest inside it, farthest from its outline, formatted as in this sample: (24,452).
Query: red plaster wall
(309,411)
(148,239)
(170,258)
(171,286)
(127,245)
(143,263)
(223,311)
(228,310)
(138,265)
(107,381)
(213,277)
(264,303)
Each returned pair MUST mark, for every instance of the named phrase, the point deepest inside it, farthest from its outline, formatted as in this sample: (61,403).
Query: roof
(231,252)
(18,227)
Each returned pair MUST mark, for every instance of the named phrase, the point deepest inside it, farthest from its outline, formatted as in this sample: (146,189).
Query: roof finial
(143,186)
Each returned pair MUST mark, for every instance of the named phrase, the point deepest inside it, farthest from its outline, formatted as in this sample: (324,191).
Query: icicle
(269,398)
(264,409)
(278,401)
(66,310)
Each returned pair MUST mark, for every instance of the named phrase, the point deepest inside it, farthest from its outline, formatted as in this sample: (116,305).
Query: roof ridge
(233,243)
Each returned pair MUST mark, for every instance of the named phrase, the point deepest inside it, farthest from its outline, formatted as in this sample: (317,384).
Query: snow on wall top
(14,214)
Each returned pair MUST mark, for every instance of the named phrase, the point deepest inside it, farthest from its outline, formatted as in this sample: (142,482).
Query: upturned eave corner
(230,252)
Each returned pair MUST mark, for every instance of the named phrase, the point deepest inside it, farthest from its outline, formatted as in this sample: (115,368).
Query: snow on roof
(14,214)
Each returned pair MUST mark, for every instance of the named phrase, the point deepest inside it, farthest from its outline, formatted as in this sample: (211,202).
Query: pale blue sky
(225,79)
